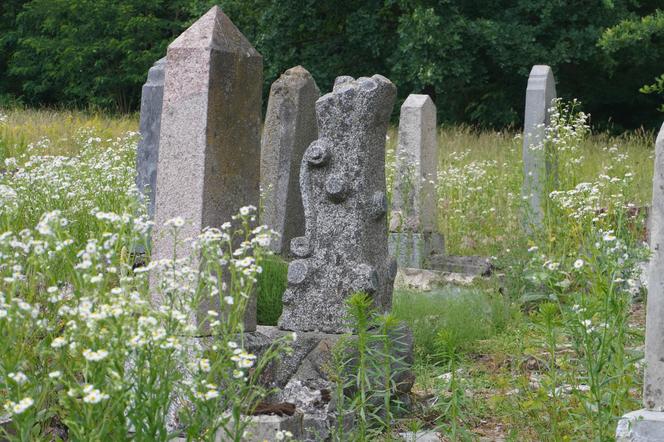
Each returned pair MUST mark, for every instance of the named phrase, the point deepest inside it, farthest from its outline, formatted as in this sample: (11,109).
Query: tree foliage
(472,56)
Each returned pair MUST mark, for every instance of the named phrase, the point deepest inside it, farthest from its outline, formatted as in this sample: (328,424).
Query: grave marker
(290,126)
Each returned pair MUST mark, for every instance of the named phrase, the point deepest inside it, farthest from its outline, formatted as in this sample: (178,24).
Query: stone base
(303,376)
(641,426)
(427,280)
(415,250)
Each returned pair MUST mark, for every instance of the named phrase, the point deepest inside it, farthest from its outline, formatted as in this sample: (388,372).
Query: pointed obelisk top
(214,30)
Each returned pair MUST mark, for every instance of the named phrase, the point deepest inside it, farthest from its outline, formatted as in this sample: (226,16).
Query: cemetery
(316,260)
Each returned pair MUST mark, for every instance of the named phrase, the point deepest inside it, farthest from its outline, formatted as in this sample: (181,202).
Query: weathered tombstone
(209,149)
(413,221)
(538,167)
(149,126)
(290,126)
(647,424)
(342,179)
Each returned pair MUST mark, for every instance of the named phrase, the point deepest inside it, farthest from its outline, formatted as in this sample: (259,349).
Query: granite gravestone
(147,155)
(290,126)
(209,147)
(342,180)
(538,165)
(413,219)
(647,424)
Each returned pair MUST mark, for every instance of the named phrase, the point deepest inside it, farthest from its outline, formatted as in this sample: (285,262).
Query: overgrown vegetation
(549,348)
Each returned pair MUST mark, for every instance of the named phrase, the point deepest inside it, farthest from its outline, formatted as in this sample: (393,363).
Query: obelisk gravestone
(647,424)
(209,147)
(290,126)
(414,233)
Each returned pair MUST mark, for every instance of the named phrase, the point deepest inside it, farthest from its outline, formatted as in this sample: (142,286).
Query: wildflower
(94,356)
(211,394)
(58,342)
(578,264)
(94,396)
(22,405)
(608,237)
(533,249)
(176,222)
(18,377)
(204,365)
(229,300)
(55,374)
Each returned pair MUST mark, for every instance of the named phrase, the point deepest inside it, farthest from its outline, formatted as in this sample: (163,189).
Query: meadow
(548,348)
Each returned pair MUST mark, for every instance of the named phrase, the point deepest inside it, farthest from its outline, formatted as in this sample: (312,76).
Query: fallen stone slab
(420,436)
(427,280)
(466,265)
(641,426)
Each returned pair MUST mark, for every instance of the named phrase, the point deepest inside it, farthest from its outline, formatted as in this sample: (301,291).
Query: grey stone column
(648,424)
(342,179)
(209,152)
(537,164)
(147,155)
(414,233)
(290,126)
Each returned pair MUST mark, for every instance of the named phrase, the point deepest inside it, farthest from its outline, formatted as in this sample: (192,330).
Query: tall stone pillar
(342,179)
(647,424)
(147,155)
(209,149)
(414,233)
(538,165)
(290,126)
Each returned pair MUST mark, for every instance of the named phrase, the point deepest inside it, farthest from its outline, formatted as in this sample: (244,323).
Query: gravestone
(209,147)
(647,424)
(149,126)
(413,219)
(342,180)
(538,166)
(290,126)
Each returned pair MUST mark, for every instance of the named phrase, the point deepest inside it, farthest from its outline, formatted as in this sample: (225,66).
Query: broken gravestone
(209,147)
(414,236)
(538,164)
(342,180)
(647,424)
(149,126)
(290,126)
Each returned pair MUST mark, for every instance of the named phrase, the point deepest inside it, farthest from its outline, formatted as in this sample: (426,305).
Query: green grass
(454,315)
(271,285)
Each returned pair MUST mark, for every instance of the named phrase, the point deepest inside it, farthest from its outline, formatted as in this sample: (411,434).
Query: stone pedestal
(641,426)
(303,376)
(415,250)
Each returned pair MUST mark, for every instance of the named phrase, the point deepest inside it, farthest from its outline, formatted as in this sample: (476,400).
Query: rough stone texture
(427,280)
(303,376)
(414,199)
(264,428)
(290,126)
(653,389)
(149,126)
(540,94)
(342,180)
(415,250)
(209,153)
(641,426)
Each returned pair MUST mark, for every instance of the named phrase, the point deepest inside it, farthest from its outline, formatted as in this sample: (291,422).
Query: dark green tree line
(472,56)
